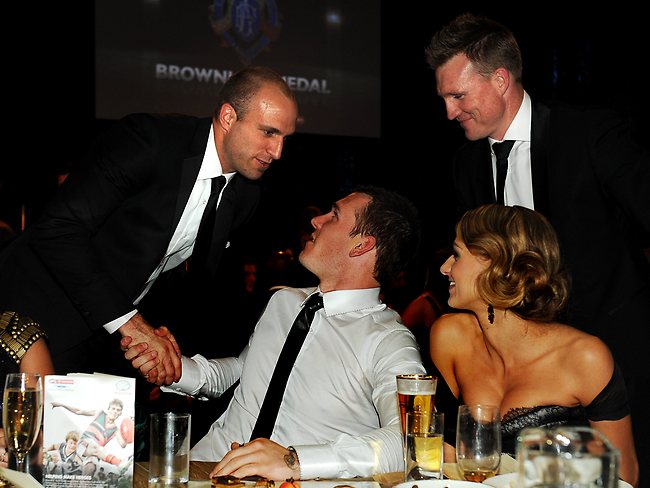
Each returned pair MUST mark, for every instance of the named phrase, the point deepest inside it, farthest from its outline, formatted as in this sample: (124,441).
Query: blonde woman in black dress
(507,348)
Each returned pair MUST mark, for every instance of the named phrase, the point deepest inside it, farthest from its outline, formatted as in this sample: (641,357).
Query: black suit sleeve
(72,231)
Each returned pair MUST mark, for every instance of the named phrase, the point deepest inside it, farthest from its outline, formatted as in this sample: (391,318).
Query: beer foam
(416,385)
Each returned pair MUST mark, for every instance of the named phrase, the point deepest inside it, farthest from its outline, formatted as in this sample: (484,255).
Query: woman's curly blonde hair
(525,274)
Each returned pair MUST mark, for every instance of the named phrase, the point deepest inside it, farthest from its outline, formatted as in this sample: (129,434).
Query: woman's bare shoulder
(455,321)
(581,347)
(450,328)
(586,359)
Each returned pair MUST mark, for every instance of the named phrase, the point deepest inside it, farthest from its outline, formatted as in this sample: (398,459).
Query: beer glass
(415,393)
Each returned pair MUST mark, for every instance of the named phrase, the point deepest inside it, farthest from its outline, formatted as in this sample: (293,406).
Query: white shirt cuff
(317,460)
(113,325)
(190,381)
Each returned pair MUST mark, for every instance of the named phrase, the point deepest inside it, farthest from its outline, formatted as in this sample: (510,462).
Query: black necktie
(275,391)
(206,227)
(501,150)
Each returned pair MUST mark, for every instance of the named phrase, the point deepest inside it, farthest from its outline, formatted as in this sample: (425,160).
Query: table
(199,470)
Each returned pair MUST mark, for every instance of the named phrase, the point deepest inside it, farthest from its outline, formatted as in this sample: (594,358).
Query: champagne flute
(478,441)
(22,413)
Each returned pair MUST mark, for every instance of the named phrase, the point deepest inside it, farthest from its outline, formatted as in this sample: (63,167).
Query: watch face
(290,459)
(292,463)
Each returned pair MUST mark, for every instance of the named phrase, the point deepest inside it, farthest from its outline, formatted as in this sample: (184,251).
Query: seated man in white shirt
(339,414)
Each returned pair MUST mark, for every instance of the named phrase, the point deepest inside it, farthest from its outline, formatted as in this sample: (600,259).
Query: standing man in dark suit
(580,167)
(132,210)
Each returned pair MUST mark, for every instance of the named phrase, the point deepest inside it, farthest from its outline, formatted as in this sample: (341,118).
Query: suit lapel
(540,140)
(472,176)
(487,175)
(484,183)
(190,170)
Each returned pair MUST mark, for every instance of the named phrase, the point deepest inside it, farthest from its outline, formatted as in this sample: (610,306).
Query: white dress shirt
(181,244)
(518,188)
(339,410)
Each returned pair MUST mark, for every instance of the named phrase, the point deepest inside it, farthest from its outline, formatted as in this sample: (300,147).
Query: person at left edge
(131,210)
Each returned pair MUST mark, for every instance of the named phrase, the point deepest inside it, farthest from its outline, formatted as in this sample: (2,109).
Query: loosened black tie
(501,150)
(277,385)
(206,227)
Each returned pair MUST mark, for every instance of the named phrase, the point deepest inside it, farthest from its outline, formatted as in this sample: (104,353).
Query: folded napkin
(508,464)
(16,478)
(388,480)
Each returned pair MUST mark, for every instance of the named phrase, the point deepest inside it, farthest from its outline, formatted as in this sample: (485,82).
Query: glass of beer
(415,393)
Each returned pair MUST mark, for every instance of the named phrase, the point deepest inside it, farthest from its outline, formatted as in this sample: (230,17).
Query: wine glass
(478,441)
(22,413)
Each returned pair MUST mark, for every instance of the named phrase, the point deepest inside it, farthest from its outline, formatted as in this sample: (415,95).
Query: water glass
(169,449)
(478,441)
(423,446)
(575,457)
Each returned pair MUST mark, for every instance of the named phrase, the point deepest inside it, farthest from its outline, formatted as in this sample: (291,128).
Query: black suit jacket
(592,181)
(85,261)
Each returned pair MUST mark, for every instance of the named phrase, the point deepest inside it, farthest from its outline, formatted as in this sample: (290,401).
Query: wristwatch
(292,461)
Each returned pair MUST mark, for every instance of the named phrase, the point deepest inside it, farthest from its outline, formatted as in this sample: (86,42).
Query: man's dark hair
(395,224)
(243,85)
(488,44)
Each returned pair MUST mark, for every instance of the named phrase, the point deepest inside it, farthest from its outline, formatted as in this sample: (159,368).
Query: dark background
(335,44)
(585,55)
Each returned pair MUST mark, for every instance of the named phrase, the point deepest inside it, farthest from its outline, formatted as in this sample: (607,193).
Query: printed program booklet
(88,431)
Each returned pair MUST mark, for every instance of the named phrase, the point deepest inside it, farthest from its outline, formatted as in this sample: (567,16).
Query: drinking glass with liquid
(478,441)
(575,457)
(22,414)
(423,446)
(415,393)
(169,455)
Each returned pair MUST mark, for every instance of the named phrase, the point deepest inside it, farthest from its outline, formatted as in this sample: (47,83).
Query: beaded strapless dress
(546,416)
(610,404)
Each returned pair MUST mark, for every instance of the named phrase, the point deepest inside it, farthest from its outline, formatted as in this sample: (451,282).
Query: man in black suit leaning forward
(132,210)
(579,167)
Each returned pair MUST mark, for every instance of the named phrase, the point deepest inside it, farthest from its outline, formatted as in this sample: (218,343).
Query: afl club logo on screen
(247,26)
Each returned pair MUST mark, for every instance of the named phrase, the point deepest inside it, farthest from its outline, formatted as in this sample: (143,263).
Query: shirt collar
(519,129)
(211,166)
(345,301)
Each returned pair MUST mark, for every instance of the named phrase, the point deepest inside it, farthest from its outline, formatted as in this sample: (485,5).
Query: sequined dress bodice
(546,416)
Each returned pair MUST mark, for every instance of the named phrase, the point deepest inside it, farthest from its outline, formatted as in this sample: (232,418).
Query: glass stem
(20,463)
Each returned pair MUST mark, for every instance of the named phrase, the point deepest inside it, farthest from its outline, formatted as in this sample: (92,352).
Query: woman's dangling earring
(491,313)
